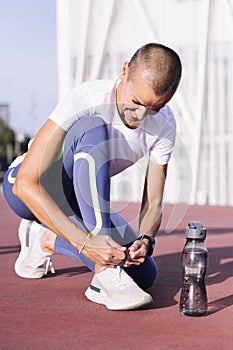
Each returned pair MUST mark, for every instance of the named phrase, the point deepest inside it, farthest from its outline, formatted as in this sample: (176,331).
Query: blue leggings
(79,182)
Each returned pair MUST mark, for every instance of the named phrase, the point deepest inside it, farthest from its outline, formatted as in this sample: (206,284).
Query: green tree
(7,137)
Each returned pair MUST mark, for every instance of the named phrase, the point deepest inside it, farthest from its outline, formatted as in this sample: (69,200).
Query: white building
(96,36)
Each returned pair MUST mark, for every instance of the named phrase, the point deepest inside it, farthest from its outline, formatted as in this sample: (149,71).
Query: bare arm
(29,189)
(151,211)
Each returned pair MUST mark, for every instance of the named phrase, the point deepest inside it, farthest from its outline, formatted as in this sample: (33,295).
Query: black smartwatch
(151,241)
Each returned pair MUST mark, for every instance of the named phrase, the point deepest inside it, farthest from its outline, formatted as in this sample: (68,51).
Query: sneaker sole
(96,297)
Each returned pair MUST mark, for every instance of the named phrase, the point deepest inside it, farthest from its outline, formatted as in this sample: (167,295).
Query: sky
(28,61)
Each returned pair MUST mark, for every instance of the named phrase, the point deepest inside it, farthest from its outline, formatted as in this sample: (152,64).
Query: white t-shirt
(156,133)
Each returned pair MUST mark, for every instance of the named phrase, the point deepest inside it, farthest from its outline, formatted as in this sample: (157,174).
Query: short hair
(161,65)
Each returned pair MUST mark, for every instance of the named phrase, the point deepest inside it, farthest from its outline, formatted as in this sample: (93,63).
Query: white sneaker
(114,288)
(32,262)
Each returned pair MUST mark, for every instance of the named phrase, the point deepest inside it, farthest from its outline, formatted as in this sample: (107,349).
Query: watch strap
(151,241)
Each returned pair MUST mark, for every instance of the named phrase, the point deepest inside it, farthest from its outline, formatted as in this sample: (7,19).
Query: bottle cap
(195,230)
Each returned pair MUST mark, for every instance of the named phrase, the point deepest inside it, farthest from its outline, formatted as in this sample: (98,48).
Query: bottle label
(192,270)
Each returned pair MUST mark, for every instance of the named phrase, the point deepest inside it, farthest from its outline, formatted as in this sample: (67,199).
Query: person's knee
(90,130)
(87,124)
(97,128)
(95,121)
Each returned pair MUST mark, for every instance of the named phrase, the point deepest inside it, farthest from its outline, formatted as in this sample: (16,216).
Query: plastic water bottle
(193,299)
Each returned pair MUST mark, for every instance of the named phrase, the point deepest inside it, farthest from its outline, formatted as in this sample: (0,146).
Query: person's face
(136,98)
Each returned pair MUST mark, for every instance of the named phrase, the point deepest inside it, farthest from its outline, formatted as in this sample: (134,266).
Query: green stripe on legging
(60,152)
(94,193)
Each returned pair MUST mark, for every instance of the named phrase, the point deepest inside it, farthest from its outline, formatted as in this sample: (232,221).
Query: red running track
(53,313)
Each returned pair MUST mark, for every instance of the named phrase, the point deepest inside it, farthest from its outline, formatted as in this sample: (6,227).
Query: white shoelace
(121,278)
(49,265)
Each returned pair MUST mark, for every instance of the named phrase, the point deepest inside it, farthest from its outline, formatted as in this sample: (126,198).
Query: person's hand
(136,253)
(103,251)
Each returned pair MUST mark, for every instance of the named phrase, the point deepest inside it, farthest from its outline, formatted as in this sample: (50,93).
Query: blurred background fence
(96,36)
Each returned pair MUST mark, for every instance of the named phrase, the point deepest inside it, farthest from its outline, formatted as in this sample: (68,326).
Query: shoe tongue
(124,277)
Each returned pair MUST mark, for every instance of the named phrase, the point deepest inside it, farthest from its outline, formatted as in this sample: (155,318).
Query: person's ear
(125,71)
